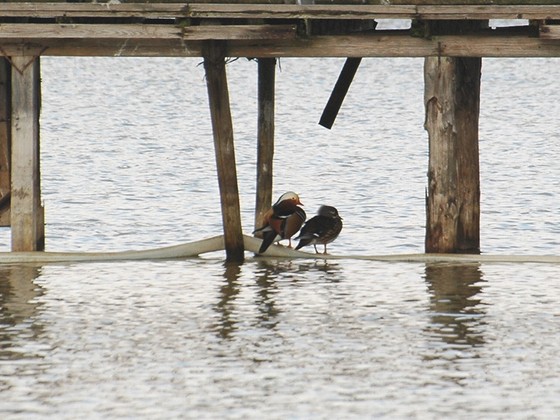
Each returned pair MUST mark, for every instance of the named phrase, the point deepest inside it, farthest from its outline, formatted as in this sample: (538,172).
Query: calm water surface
(128,163)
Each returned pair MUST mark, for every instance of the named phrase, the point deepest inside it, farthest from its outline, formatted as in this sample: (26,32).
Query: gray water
(128,163)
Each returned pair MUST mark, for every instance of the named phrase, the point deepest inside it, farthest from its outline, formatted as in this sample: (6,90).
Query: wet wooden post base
(216,81)
(452,99)
(265,137)
(5,140)
(27,218)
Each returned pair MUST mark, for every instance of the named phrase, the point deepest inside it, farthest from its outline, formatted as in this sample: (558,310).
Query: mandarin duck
(282,220)
(321,229)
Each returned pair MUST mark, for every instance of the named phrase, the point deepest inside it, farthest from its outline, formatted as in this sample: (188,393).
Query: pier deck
(274,30)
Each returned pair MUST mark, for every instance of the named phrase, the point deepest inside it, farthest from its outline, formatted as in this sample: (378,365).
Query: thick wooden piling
(265,136)
(27,218)
(216,81)
(5,140)
(452,99)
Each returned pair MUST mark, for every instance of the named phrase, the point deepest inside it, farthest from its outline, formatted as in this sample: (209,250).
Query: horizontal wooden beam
(393,45)
(29,32)
(260,11)
(277,11)
(427,12)
(551,32)
(92,10)
(460,12)
(375,44)
(45,32)
(239,32)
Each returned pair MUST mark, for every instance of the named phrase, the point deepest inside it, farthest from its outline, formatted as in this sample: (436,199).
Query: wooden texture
(5,140)
(361,11)
(109,3)
(452,99)
(486,44)
(35,32)
(239,32)
(229,10)
(550,32)
(265,137)
(27,212)
(45,32)
(518,42)
(216,81)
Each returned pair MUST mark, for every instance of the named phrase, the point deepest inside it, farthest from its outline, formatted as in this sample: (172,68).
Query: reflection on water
(18,308)
(267,290)
(456,318)
(454,303)
(226,305)
(267,274)
(21,351)
(275,338)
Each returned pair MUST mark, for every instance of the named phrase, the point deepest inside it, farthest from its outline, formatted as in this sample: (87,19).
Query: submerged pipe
(216,243)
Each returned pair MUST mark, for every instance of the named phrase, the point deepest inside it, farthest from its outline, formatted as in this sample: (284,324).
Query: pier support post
(216,81)
(265,136)
(27,218)
(452,100)
(5,140)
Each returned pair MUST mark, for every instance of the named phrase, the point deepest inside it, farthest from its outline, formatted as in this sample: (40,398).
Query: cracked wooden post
(27,218)
(5,140)
(452,99)
(265,137)
(216,81)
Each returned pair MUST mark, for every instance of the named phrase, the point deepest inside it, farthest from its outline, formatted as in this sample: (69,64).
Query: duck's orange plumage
(282,221)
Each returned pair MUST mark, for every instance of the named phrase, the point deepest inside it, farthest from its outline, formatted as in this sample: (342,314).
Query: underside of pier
(453,36)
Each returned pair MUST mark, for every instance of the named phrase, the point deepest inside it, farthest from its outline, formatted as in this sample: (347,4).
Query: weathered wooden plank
(364,2)
(222,126)
(393,45)
(265,137)
(92,10)
(475,12)
(30,31)
(5,140)
(239,32)
(433,12)
(377,44)
(245,11)
(27,214)
(43,32)
(550,32)
(445,11)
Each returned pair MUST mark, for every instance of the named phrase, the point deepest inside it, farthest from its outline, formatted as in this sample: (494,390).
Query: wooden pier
(453,36)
